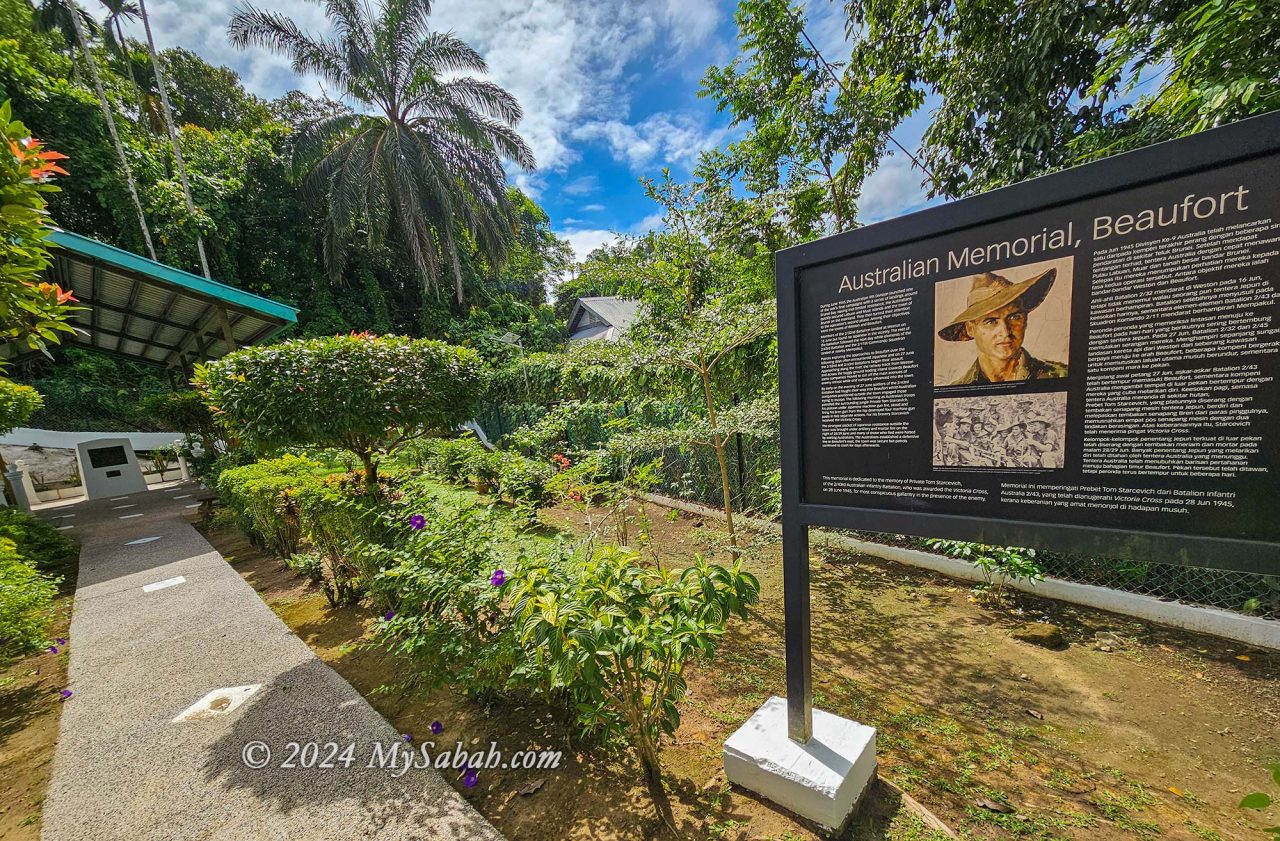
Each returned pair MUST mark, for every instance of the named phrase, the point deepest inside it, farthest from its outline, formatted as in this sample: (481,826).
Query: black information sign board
(1085,362)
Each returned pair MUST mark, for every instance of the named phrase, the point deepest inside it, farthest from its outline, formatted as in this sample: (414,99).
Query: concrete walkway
(139,658)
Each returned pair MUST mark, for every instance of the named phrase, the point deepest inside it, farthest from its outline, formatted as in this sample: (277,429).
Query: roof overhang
(151,312)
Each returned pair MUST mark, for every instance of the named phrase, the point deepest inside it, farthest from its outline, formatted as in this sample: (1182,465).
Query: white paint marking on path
(141,540)
(122,507)
(129,516)
(118,498)
(218,702)
(184,496)
(197,505)
(64,528)
(160,585)
(64,516)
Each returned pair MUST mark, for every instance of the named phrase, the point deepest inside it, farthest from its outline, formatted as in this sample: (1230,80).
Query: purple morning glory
(53,649)
(498,578)
(389,615)
(437,728)
(61,641)
(470,778)
(66,693)
(417,521)
(408,737)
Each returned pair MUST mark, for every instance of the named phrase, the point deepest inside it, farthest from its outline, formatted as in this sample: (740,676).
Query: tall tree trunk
(459,298)
(173,130)
(111,129)
(717,441)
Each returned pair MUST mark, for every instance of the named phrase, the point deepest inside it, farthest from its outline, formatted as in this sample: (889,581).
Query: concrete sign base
(821,780)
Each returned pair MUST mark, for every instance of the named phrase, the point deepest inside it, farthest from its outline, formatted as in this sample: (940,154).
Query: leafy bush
(363,393)
(446,614)
(25,597)
(999,564)
(32,311)
(617,635)
(185,412)
(336,515)
(264,496)
(524,482)
(39,543)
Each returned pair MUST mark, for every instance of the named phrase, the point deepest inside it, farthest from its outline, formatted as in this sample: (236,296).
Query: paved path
(124,770)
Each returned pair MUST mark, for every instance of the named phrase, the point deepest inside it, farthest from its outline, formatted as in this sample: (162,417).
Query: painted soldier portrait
(1011,326)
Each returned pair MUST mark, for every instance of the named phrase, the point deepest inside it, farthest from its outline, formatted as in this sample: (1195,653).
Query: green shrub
(617,635)
(39,543)
(336,515)
(523,481)
(25,598)
(999,564)
(366,394)
(310,564)
(264,496)
(446,615)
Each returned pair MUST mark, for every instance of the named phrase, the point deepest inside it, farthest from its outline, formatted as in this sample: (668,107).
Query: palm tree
(173,129)
(117,11)
(73,22)
(421,155)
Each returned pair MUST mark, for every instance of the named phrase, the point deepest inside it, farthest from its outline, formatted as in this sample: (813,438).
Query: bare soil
(30,711)
(998,738)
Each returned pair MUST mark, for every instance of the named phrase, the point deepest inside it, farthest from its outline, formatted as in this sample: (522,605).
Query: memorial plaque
(1084,362)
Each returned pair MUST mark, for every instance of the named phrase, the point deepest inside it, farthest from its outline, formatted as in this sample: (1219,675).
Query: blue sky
(608,87)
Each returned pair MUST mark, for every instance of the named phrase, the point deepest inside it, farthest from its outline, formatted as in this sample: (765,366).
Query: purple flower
(437,728)
(66,693)
(61,641)
(470,778)
(498,578)
(389,615)
(408,737)
(417,521)
(53,649)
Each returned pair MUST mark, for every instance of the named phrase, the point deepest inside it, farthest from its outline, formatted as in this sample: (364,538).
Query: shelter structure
(147,311)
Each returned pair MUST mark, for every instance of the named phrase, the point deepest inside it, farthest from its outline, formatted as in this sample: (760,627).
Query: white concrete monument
(109,467)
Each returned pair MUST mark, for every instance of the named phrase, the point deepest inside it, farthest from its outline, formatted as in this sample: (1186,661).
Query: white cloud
(592,208)
(582,186)
(565,60)
(893,189)
(587,240)
(663,139)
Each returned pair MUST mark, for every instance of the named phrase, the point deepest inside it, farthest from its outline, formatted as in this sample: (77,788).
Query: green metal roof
(152,312)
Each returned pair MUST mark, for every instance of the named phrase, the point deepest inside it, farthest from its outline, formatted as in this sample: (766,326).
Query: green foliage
(447,616)
(182,411)
(32,312)
(523,481)
(25,598)
(617,636)
(1216,60)
(17,404)
(264,497)
(423,165)
(999,564)
(365,394)
(809,146)
(39,543)
(1260,800)
(89,391)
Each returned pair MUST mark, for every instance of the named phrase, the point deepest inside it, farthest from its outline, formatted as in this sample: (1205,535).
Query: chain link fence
(693,474)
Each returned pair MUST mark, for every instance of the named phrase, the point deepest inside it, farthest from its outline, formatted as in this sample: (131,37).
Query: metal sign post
(1085,362)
